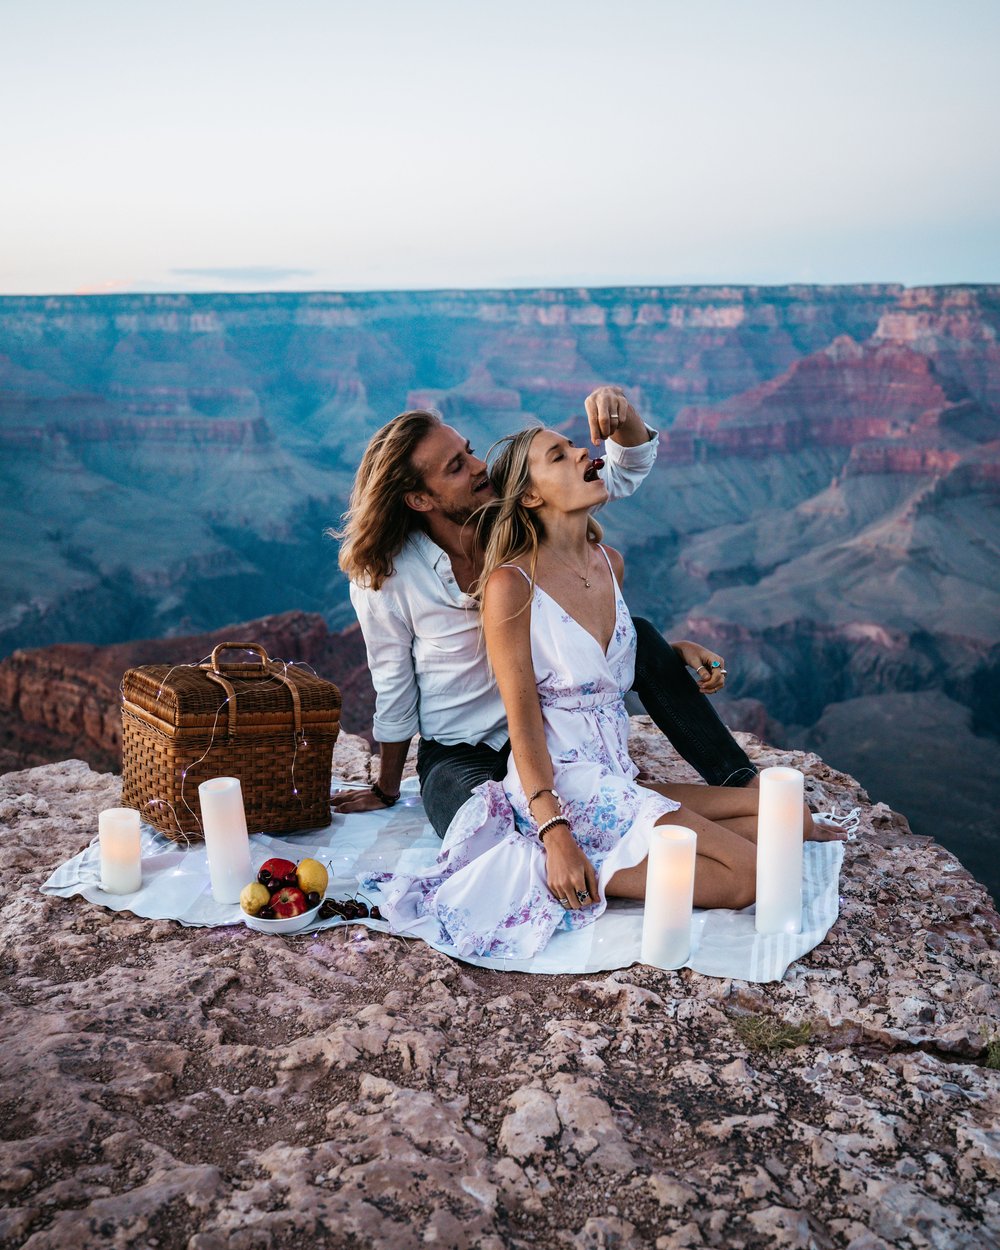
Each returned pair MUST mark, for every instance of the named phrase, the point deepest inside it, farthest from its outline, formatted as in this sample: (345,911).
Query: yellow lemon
(312,876)
(253,897)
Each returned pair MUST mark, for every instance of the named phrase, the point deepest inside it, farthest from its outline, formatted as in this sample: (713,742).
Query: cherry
(375,914)
(263,876)
(312,898)
(266,913)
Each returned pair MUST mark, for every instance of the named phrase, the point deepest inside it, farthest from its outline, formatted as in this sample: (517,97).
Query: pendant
(586,584)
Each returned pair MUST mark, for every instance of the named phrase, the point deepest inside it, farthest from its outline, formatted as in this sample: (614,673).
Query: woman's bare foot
(825,833)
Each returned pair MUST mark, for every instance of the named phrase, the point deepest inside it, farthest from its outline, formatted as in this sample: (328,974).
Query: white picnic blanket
(175,886)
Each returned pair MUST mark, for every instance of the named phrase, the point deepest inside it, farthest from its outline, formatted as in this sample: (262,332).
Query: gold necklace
(585,580)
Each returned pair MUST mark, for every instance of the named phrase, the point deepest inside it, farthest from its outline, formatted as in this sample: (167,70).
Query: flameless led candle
(224,823)
(121,860)
(779,851)
(666,917)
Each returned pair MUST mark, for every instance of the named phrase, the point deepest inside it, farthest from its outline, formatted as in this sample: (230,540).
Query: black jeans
(449,774)
(683,714)
(670,695)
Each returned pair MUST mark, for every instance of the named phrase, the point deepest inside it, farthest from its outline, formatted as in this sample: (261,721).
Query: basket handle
(255,647)
(267,670)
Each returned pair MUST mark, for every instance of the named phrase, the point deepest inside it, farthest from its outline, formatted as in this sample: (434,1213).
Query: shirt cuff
(395,731)
(633,457)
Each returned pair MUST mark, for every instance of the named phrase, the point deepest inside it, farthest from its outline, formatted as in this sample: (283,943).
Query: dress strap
(519,569)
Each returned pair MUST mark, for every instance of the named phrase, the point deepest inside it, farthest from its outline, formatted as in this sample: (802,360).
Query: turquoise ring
(717,664)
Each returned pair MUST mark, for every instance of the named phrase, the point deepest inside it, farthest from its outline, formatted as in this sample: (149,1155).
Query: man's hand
(392,757)
(569,872)
(709,667)
(347,801)
(610,415)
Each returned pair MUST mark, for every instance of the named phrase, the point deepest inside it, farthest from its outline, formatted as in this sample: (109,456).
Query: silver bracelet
(542,830)
(545,790)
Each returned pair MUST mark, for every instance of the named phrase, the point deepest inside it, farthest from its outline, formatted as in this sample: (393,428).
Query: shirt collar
(428,550)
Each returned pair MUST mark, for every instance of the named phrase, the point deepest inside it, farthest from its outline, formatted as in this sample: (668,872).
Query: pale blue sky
(224,145)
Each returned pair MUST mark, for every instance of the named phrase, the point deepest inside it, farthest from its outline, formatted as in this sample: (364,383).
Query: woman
(568,827)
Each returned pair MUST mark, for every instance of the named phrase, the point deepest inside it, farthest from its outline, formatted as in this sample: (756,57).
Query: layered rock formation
(67,698)
(196,1089)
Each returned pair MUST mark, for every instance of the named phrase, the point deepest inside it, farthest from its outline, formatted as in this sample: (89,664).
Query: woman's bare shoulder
(507,590)
(617,562)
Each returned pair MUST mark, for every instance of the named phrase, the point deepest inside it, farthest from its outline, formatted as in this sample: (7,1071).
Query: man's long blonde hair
(507,530)
(378,519)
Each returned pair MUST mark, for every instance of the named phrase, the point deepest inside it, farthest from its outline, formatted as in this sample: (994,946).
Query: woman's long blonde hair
(378,519)
(508,531)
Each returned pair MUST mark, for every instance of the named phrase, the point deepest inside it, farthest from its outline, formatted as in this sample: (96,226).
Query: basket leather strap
(231,700)
(282,676)
(276,671)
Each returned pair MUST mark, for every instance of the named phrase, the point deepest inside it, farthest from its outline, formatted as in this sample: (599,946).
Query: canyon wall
(823,510)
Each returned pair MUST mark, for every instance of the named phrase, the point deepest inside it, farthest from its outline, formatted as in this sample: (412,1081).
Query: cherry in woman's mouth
(591,471)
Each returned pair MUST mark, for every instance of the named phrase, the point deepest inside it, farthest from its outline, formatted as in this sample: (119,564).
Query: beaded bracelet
(390,800)
(542,830)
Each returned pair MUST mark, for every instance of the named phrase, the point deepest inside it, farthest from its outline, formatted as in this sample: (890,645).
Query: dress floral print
(487,893)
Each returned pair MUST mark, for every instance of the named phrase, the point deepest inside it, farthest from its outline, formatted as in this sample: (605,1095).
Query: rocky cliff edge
(210,1088)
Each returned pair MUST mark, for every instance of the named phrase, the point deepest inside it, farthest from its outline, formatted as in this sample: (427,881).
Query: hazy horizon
(249,292)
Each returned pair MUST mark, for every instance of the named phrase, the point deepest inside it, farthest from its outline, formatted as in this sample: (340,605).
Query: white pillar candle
(779,851)
(121,857)
(666,917)
(224,823)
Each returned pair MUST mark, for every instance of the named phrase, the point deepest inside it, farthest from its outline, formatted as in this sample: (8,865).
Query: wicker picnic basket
(270,724)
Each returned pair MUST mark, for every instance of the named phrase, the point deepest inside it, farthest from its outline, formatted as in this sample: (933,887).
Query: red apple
(277,869)
(288,901)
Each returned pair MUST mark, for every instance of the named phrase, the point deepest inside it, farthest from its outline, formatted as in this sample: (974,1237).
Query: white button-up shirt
(425,647)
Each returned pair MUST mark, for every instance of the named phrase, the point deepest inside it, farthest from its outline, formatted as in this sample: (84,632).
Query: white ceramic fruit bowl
(288,924)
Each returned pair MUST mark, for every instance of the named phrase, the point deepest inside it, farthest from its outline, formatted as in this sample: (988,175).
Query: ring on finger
(563,902)
(583,896)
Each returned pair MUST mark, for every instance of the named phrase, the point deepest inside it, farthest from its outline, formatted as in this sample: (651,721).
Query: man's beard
(456,515)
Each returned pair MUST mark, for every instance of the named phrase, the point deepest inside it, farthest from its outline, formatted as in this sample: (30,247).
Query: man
(413,559)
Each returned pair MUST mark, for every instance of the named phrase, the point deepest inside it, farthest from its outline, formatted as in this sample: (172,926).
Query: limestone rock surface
(209,1089)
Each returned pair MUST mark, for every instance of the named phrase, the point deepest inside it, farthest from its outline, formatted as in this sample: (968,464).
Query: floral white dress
(487,892)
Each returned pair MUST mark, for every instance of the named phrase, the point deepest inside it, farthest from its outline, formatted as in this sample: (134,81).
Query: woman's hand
(709,666)
(570,873)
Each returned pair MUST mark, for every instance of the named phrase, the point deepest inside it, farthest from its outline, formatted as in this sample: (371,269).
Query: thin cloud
(246,273)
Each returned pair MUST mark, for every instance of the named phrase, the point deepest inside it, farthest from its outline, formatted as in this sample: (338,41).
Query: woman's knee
(744,888)
(684,815)
(733,857)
